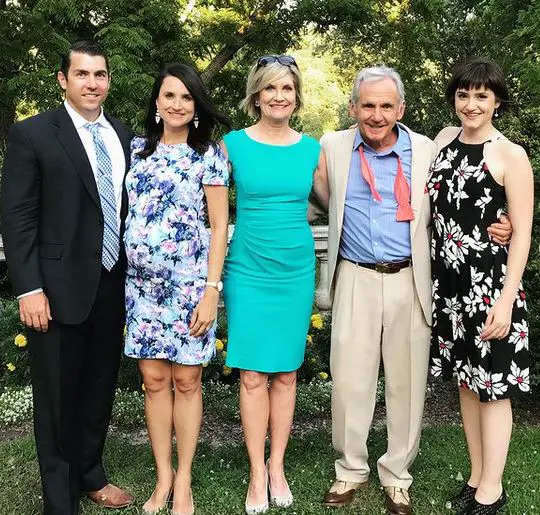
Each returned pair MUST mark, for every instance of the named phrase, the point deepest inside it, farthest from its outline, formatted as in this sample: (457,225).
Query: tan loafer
(398,501)
(110,496)
(342,493)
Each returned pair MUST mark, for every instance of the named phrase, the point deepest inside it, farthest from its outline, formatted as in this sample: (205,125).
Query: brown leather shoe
(341,493)
(398,501)
(110,496)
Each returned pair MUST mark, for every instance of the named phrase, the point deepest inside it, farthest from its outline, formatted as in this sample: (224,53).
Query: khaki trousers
(377,315)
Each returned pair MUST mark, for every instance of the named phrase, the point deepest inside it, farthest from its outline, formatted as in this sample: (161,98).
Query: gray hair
(375,73)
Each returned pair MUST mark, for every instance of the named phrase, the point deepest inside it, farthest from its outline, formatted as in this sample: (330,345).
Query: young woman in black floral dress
(480,331)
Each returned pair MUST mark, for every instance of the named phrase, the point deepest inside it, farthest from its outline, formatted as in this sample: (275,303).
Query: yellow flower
(143,388)
(219,345)
(309,339)
(204,365)
(323,376)
(226,370)
(317,321)
(20,340)
(11,367)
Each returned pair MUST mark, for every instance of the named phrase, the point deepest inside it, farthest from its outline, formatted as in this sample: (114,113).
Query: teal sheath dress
(269,275)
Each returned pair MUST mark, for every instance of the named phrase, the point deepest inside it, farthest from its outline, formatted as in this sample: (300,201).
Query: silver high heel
(260,508)
(282,501)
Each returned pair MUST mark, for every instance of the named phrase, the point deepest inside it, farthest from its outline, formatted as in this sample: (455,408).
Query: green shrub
(15,369)
(313,401)
(15,405)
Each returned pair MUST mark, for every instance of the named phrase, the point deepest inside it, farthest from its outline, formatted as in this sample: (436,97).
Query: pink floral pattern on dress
(167,245)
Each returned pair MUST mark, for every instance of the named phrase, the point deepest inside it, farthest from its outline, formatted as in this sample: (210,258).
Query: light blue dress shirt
(371,233)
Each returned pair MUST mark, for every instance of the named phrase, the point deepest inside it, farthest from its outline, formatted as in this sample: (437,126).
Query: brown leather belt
(390,267)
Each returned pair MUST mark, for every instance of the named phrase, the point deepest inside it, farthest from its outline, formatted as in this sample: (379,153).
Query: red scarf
(402,192)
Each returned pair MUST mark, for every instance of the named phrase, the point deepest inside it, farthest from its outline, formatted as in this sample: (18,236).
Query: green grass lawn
(220,475)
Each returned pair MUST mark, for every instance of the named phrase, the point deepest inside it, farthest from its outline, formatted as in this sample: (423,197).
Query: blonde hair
(260,76)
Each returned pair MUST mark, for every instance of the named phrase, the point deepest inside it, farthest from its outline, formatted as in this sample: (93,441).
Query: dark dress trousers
(52,227)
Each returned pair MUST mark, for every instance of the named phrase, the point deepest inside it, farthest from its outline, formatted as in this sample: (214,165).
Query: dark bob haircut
(82,47)
(199,138)
(477,72)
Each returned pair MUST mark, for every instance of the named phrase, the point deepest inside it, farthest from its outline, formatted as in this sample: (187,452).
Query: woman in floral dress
(177,174)
(480,332)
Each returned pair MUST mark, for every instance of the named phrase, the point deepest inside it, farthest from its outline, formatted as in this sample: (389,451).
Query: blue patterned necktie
(111,238)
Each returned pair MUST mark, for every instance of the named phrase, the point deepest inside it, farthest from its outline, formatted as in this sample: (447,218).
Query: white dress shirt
(114,148)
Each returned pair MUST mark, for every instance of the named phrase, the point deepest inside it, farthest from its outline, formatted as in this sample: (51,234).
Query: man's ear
(62,80)
(351,109)
(401,110)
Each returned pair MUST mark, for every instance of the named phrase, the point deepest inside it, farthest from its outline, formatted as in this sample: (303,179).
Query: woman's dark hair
(199,138)
(477,72)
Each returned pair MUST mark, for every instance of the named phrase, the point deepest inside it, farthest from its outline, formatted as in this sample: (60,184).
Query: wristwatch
(218,286)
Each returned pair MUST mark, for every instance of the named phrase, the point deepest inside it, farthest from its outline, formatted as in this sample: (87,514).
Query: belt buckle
(383,268)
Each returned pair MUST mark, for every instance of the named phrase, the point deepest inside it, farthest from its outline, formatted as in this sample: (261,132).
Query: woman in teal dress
(269,276)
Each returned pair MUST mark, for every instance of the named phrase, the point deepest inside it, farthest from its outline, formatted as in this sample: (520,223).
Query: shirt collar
(402,144)
(79,121)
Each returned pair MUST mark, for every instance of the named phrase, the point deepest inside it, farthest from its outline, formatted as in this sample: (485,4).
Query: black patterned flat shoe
(487,509)
(462,500)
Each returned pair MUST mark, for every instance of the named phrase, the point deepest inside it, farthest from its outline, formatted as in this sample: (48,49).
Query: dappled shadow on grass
(220,474)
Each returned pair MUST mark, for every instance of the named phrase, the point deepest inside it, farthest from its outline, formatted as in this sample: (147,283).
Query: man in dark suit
(63,209)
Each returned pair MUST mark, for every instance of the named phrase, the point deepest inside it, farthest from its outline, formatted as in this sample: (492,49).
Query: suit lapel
(70,140)
(342,163)
(421,160)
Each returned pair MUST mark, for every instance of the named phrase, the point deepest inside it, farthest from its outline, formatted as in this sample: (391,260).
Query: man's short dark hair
(478,72)
(82,47)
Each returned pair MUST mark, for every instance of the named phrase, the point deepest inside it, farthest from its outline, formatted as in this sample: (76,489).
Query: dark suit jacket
(52,223)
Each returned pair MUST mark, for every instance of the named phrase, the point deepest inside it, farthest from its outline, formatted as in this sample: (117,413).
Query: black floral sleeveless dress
(468,273)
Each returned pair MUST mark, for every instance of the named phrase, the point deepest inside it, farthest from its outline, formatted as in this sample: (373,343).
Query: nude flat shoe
(282,501)
(160,508)
(259,508)
(190,512)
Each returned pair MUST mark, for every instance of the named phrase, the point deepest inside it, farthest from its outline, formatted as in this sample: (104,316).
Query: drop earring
(158,117)
(496,113)
(257,104)
(196,120)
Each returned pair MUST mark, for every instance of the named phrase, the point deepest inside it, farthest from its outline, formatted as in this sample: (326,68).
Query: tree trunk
(221,59)
(242,38)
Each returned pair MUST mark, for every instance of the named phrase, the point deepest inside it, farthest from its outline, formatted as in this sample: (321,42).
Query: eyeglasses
(285,60)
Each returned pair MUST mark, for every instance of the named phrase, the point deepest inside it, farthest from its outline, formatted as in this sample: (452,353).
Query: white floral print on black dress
(468,272)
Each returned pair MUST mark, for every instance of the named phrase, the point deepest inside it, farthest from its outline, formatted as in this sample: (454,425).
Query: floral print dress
(167,246)
(468,272)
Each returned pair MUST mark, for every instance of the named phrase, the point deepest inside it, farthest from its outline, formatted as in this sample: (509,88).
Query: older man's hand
(35,312)
(501,231)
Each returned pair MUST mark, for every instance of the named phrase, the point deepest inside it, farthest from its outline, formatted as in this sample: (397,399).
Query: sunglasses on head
(285,60)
